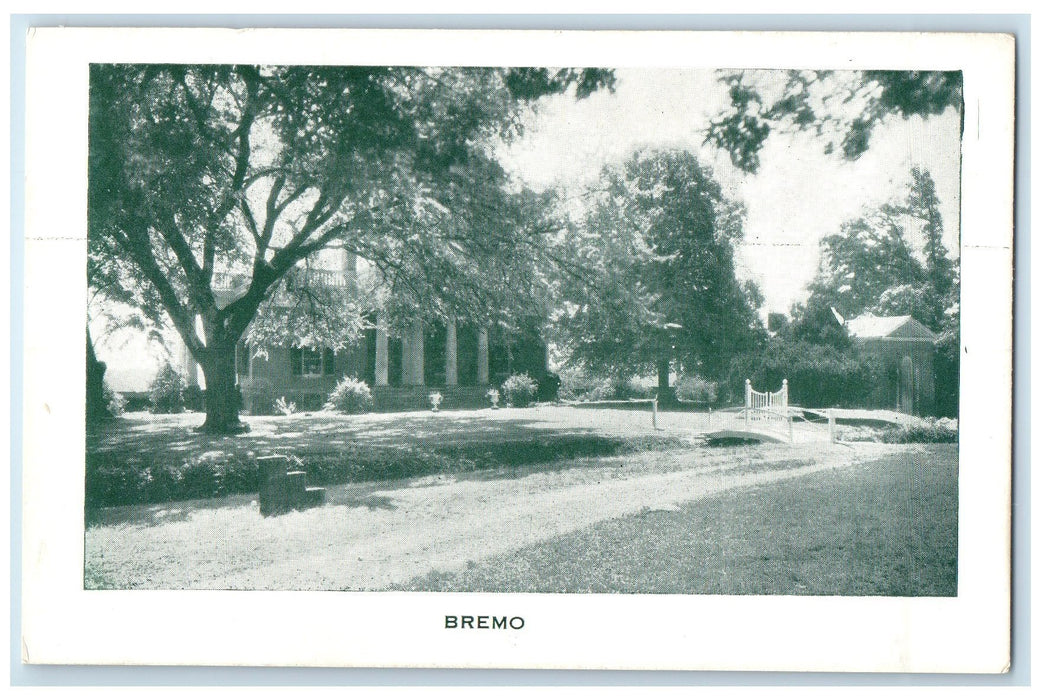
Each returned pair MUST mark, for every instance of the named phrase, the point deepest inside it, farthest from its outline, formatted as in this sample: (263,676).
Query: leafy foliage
(351,395)
(697,390)
(924,431)
(818,376)
(871,266)
(166,392)
(656,251)
(869,256)
(519,390)
(115,402)
(211,187)
(841,108)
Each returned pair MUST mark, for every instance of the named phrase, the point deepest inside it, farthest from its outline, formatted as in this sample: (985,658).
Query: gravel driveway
(371,536)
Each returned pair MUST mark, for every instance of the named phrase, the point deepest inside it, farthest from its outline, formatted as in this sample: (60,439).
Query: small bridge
(765,417)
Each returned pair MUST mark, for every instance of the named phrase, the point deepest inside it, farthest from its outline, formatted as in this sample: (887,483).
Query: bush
(818,375)
(195,398)
(578,384)
(166,393)
(636,388)
(926,431)
(696,390)
(114,401)
(519,390)
(549,387)
(351,395)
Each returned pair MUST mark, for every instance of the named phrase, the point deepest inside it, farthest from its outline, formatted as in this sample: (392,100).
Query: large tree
(218,185)
(658,244)
(869,255)
(891,260)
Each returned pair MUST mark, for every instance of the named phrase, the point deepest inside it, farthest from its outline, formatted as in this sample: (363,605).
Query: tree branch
(139,249)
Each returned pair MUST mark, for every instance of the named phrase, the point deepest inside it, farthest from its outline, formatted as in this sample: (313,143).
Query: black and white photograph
(660,332)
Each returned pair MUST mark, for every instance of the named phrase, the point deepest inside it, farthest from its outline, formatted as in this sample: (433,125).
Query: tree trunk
(222,391)
(97,407)
(665,392)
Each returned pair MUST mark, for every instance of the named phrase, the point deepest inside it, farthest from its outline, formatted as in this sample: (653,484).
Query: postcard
(502,349)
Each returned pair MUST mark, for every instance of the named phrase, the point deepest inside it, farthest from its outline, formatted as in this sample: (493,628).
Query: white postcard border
(64,624)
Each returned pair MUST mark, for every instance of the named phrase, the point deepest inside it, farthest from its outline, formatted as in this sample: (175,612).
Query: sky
(798,195)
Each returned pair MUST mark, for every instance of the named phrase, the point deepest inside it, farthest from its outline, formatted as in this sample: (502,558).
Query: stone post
(482,356)
(451,352)
(382,361)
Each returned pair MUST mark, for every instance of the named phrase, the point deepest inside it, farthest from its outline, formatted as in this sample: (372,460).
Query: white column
(482,356)
(382,361)
(412,355)
(451,351)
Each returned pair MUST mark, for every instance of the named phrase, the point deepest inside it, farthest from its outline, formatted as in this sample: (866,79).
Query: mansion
(401,365)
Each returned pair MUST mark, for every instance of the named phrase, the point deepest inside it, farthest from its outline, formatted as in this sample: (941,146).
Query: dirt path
(374,536)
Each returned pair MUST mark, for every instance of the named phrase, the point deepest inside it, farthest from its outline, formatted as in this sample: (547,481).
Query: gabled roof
(870,326)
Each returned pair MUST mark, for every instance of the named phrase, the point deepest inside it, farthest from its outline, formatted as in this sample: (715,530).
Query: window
(309,362)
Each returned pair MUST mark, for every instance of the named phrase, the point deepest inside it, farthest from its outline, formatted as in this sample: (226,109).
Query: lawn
(887,527)
(537,499)
(141,458)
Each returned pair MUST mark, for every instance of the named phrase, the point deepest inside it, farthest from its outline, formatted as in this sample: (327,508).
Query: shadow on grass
(353,500)
(163,460)
(168,436)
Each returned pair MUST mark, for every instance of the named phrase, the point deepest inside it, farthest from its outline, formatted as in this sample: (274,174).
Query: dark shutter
(296,360)
(327,361)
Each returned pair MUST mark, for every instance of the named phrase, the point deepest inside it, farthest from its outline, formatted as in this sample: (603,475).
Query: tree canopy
(871,265)
(658,243)
(215,186)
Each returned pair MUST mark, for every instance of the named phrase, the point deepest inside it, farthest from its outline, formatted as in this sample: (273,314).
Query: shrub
(286,408)
(519,390)
(818,375)
(636,388)
(696,390)
(114,401)
(578,384)
(549,387)
(195,398)
(166,393)
(925,431)
(351,395)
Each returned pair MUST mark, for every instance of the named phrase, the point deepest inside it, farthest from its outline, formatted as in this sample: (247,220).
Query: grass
(886,528)
(157,459)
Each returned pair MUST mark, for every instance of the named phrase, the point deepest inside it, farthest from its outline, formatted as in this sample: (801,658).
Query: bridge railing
(764,411)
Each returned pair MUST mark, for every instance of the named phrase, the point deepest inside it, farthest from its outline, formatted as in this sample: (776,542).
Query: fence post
(748,399)
(831,425)
(787,414)
(654,412)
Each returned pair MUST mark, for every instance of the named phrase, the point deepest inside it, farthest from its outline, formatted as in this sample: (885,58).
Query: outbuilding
(907,348)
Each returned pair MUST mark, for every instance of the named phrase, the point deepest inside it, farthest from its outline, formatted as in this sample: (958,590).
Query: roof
(871,326)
